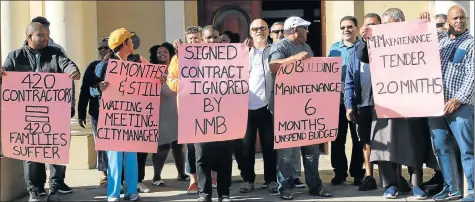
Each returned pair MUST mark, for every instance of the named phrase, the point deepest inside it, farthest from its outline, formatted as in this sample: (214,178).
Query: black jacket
(85,97)
(52,60)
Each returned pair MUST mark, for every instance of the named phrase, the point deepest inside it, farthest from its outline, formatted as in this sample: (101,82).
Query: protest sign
(307,102)
(405,70)
(36,116)
(130,107)
(213,92)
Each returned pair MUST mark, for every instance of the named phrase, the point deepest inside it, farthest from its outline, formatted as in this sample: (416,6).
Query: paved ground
(85,185)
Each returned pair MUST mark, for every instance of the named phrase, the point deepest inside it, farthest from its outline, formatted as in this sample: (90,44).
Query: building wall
(146,18)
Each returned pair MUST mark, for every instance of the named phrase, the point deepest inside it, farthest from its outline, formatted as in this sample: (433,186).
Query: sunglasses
(347,27)
(103,48)
(192,29)
(255,29)
(439,25)
(278,31)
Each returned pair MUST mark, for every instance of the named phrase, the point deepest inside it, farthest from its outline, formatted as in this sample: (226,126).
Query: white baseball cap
(293,22)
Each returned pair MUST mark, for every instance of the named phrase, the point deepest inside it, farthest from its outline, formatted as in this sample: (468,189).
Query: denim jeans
(285,176)
(101,155)
(295,161)
(460,124)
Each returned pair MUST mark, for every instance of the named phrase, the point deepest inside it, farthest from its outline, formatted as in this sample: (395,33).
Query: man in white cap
(290,49)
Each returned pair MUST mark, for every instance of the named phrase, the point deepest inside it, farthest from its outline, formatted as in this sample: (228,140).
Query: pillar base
(82,153)
(12,183)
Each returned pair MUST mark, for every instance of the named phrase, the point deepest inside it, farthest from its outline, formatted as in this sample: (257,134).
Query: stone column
(74,27)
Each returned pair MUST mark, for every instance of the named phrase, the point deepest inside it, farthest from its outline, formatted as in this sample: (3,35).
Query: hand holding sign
(424,16)
(301,56)
(2,71)
(103,85)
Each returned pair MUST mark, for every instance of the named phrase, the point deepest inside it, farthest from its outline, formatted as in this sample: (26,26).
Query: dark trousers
(160,158)
(141,160)
(102,161)
(35,175)
(239,154)
(215,156)
(262,120)
(191,158)
(338,155)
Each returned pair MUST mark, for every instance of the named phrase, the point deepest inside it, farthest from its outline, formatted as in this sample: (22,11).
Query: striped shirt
(456,57)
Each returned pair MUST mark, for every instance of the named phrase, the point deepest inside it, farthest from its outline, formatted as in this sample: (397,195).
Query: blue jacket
(352,81)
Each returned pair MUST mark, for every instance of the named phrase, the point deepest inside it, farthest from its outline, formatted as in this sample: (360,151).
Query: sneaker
(391,192)
(53,195)
(337,180)
(467,198)
(192,189)
(159,183)
(224,198)
(184,177)
(418,193)
(42,191)
(298,183)
(64,189)
(204,199)
(273,187)
(320,191)
(446,195)
(142,187)
(368,183)
(34,196)
(246,187)
(132,197)
(111,199)
(263,185)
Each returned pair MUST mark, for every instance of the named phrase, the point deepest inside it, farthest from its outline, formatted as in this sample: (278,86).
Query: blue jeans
(460,124)
(295,159)
(101,155)
(117,162)
(286,171)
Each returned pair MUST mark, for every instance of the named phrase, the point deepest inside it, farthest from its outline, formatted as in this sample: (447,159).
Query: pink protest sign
(307,102)
(36,116)
(213,92)
(130,107)
(405,70)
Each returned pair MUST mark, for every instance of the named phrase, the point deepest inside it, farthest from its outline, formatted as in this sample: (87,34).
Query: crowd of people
(438,142)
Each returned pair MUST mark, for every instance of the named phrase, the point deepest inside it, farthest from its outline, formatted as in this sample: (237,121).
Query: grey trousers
(35,174)
(311,157)
(295,161)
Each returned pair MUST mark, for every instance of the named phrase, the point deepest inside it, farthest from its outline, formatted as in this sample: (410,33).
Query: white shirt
(257,92)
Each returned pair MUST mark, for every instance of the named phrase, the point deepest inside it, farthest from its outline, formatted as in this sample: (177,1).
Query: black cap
(41,19)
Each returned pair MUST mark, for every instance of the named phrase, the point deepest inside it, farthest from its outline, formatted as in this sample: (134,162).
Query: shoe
(273,187)
(184,177)
(192,189)
(224,198)
(42,191)
(204,199)
(34,196)
(263,185)
(287,195)
(391,192)
(467,198)
(446,195)
(418,193)
(142,188)
(246,187)
(321,191)
(64,189)
(132,197)
(337,180)
(111,199)
(103,182)
(53,195)
(215,184)
(298,183)
(159,183)
(368,183)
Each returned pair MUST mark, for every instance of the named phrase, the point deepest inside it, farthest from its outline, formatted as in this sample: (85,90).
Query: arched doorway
(234,19)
